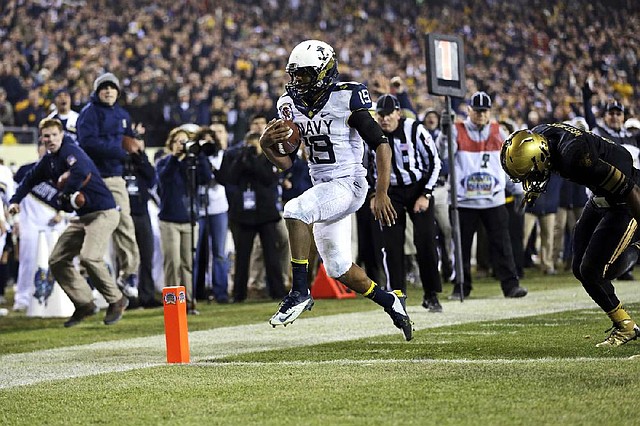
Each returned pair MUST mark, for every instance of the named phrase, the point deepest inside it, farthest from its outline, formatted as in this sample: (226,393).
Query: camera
(202,146)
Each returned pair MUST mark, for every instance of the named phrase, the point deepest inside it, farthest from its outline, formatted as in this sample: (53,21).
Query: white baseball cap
(632,123)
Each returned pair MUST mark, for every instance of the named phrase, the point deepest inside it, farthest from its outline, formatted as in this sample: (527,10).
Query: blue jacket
(83,177)
(572,195)
(173,187)
(100,131)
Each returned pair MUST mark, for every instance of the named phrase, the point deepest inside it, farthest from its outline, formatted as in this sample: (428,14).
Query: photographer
(177,196)
(253,209)
(213,221)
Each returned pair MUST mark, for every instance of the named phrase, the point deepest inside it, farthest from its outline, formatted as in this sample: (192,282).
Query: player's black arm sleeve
(604,176)
(367,128)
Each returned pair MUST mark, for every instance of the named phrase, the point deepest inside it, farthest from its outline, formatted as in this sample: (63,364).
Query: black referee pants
(496,222)
(390,241)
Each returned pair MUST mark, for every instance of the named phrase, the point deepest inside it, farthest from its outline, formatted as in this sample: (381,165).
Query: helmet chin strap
(533,190)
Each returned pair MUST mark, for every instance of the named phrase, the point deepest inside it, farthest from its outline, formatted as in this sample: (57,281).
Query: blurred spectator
(183,111)
(218,111)
(64,113)
(571,202)
(440,200)
(378,86)
(398,88)
(149,112)
(6,109)
(632,125)
(32,110)
(543,214)
(612,125)
(239,120)
(431,122)
(214,224)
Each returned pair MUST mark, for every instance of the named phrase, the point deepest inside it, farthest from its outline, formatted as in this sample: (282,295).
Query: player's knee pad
(294,209)
(336,267)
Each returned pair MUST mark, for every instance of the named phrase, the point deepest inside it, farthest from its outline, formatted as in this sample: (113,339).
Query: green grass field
(487,361)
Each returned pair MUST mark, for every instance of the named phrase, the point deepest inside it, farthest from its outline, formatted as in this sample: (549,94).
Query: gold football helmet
(525,157)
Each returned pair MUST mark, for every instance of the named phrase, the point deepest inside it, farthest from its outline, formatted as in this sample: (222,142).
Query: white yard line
(493,361)
(129,354)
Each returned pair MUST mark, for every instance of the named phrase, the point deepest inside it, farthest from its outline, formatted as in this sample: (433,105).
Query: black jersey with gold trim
(605,167)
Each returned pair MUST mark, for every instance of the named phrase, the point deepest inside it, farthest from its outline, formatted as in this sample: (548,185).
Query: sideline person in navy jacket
(72,171)
(103,128)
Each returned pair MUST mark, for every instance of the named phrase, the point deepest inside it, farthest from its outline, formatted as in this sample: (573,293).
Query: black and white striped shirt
(414,156)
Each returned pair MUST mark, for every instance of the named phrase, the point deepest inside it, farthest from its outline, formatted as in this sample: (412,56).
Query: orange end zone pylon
(325,287)
(176,331)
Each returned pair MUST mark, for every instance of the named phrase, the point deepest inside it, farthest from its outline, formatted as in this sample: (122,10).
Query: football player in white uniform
(333,119)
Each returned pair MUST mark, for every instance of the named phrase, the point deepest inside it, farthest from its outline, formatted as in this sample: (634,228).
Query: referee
(415,166)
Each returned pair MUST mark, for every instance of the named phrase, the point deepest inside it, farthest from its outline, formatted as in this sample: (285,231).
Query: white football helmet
(313,67)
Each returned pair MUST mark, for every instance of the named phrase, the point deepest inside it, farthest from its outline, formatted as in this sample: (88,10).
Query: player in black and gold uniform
(609,221)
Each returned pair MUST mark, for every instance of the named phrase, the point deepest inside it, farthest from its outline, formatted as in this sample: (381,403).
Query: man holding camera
(178,175)
(213,220)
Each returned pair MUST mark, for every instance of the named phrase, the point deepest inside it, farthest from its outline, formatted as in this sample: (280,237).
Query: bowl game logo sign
(43,283)
(170,299)
(181,297)
(286,111)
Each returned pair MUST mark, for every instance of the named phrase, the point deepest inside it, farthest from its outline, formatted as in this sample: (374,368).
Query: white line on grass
(129,354)
(498,361)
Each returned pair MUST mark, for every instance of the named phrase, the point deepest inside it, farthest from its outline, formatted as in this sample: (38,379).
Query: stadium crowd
(208,62)
(230,56)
